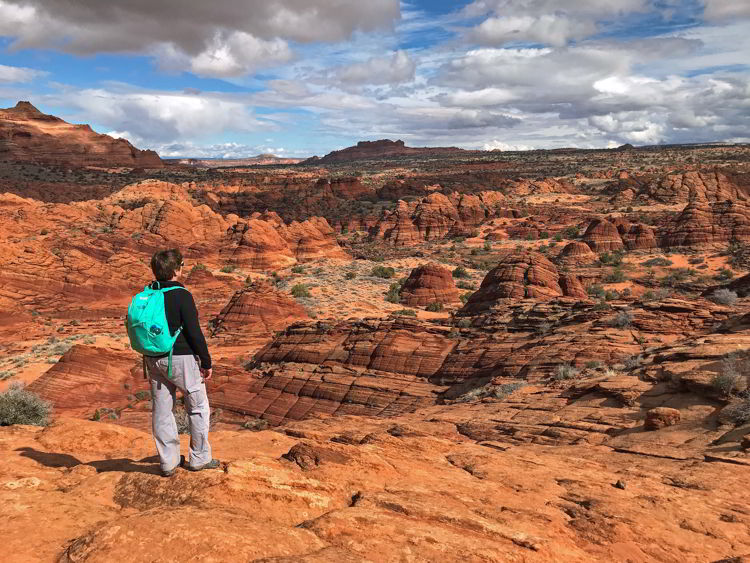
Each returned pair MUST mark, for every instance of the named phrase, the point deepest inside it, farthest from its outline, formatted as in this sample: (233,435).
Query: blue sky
(235,78)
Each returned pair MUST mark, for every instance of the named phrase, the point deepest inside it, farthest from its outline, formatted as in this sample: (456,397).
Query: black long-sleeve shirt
(182,312)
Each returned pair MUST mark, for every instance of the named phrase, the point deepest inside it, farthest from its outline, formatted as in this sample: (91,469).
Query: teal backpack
(147,325)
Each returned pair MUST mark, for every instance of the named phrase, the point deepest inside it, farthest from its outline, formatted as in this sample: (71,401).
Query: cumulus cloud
(227,38)
(495,145)
(378,70)
(11,74)
(725,9)
(158,117)
(549,22)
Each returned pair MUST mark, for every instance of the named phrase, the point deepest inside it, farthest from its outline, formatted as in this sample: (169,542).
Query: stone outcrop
(661,417)
(28,135)
(384,148)
(578,253)
(704,187)
(259,307)
(702,223)
(602,235)
(430,283)
(528,275)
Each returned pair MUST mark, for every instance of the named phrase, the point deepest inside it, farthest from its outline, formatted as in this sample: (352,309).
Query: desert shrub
(300,290)
(633,362)
(725,274)
(595,290)
(298,269)
(658,261)
(613,259)
(571,232)
(592,364)
(727,383)
(198,267)
(228,269)
(19,406)
(463,323)
(615,276)
(143,395)
(723,297)
(350,275)
(384,272)
(558,237)
(602,305)
(696,260)
(490,390)
(460,272)
(487,246)
(255,424)
(434,307)
(739,413)
(611,294)
(464,285)
(464,297)
(622,319)
(649,295)
(564,371)
(543,235)
(406,312)
(393,295)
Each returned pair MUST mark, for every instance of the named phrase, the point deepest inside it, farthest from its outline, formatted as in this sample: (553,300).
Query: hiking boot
(213,464)
(171,472)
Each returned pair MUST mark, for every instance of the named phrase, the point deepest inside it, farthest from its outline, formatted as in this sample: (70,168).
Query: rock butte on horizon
(420,354)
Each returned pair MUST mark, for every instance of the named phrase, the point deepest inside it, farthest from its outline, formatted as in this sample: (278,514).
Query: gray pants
(187,377)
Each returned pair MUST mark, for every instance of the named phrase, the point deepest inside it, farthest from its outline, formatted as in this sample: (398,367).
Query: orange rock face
(602,235)
(430,283)
(258,308)
(27,135)
(528,275)
(577,253)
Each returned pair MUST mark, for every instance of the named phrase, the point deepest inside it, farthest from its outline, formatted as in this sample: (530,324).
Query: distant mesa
(384,148)
(261,159)
(28,135)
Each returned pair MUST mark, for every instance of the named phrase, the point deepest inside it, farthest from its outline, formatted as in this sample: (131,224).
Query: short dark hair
(165,263)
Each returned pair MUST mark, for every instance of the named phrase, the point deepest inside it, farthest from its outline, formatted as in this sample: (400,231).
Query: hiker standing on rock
(163,326)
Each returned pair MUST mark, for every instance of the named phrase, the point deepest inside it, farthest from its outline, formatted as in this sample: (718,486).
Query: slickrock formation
(384,148)
(430,283)
(602,235)
(259,307)
(705,187)
(577,253)
(28,135)
(528,275)
(701,223)
(637,236)
(436,216)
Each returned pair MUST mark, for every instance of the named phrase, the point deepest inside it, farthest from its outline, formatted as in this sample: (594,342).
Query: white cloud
(548,29)
(726,9)
(148,117)
(495,145)
(227,38)
(11,74)
(378,70)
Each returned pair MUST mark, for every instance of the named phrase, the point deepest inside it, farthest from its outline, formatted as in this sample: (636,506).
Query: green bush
(464,297)
(406,312)
(298,269)
(384,272)
(19,406)
(460,272)
(658,261)
(300,290)
(615,276)
(393,295)
(434,307)
(739,413)
(465,285)
(565,371)
(724,274)
(487,246)
(490,390)
(723,297)
(228,269)
(198,267)
(622,319)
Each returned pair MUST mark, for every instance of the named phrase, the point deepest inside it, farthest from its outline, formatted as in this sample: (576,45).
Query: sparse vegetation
(622,319)
(564,372)
(406,312)
(19,406)
(255,424)
(460,272)
(633,362)
(725,274)
(489,391)
(723,297)
(383,272)
(434,307)
(228,269)
(298,269)
(615,276)
(300,290)
(658,261)
(350,275)
(393,295)
(738,413)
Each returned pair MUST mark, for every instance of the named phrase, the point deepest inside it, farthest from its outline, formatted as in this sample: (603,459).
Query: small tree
(300,290)
(460,272)
(724,297)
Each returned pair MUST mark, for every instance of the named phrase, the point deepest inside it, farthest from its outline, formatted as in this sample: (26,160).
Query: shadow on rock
(148,465)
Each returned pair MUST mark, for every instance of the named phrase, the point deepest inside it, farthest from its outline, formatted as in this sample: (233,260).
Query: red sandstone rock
(660,417)
(602,235)
(430,283)
(577,253)
(28,135)
(258,308)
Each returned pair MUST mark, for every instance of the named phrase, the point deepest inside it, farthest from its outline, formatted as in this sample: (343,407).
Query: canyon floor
(536,356)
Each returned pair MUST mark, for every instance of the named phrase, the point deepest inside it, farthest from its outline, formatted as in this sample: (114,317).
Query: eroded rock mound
(28,135)
(528,275)
(430,283)
(258,308)
(602,235)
